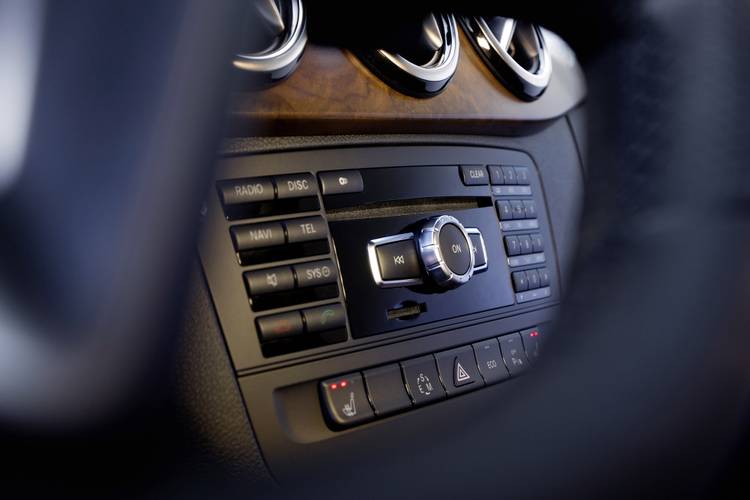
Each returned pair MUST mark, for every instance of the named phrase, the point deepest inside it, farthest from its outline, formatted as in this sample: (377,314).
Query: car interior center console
(355,285)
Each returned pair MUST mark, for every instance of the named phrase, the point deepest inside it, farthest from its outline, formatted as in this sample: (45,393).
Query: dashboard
(389,243)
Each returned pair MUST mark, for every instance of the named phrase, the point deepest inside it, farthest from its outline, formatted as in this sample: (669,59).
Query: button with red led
(531,343)
(345,400)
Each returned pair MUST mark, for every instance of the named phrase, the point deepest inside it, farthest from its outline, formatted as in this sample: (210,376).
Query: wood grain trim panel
(332,92)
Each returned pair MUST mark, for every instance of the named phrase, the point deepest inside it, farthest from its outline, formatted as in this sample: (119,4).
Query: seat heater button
(345,400)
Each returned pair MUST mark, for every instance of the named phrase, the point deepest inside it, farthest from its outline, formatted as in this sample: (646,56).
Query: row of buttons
(254,236)
(524,244)
(357,398)
(516,209)
(530,279)
(258,190)
(281,279)
(476,175)
(293,323)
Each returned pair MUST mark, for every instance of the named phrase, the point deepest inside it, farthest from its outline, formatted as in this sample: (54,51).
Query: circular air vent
(424,67)
(274,41)
(515,51)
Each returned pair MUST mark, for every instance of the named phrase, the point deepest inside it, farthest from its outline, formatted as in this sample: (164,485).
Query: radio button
(316,273)
(296,186)
(239,191)
(398,261)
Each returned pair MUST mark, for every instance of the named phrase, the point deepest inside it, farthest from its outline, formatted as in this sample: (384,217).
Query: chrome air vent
(424,68)
(515,51)
(274,41)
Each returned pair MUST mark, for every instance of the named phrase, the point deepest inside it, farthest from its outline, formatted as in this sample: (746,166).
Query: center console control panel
(326,251)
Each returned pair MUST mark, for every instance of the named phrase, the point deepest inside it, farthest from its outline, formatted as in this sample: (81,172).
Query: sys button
(398,260)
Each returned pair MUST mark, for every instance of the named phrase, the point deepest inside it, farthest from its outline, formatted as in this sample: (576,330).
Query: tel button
(307,229)
(398,260)
(345,400)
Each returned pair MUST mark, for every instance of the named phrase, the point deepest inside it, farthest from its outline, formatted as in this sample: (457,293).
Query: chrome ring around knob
(433,256)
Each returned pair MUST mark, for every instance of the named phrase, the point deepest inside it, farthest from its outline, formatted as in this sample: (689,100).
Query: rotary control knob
(446,251)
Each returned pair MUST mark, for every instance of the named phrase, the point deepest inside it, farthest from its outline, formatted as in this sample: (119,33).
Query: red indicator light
(334,386)
(343,383)
(534,334)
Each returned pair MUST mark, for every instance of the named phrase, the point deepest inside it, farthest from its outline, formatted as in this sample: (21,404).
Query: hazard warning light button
(458,370)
